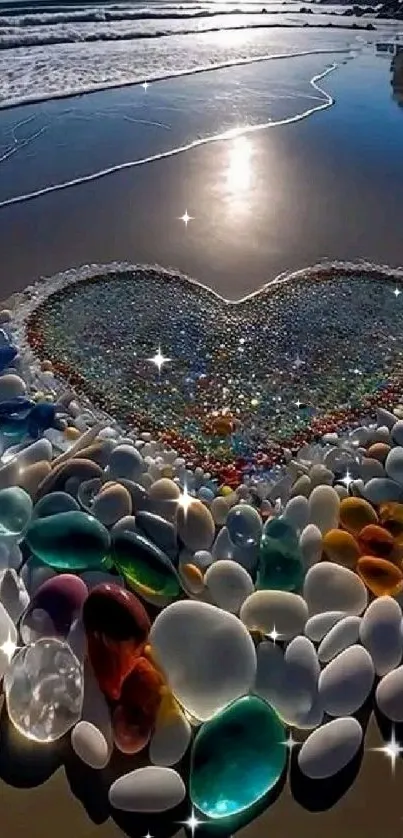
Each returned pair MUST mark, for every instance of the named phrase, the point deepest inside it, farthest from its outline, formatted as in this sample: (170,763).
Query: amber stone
(341,547)
(356,513)
(117,626)
(134,718)
(375,541)
(381,577)
(378,451)
(391,517)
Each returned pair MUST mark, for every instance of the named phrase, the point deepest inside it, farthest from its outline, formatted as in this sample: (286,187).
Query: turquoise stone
(69,541)
(54,504)
(144,566)
(280,566)
(237,757)
(15,511)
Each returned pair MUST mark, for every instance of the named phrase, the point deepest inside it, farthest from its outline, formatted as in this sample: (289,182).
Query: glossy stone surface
(44,689)
(244,525)
(391,517)
(15,511)
(375,541)
(134,718)
(206,654)
(151,789)
(144,565)
(356,513)
(68,541)
(172,734)
(381,577)
(341,547)
(237,757)
(330,748)
(54,608)
(117,625)
(280,561)
(90,745)
(54,504)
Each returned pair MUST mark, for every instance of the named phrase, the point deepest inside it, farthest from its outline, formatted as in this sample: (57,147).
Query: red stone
(134,718)
(117,626)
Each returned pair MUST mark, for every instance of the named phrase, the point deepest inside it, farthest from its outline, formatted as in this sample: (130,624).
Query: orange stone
(134,718)
(341,547)
(376,541)
(378,451)
(356,513)
(222,425)
(192,577)
(71,433)
(381,577)
(391,517)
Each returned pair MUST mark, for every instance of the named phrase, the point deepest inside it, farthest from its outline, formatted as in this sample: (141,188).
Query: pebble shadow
(23,763)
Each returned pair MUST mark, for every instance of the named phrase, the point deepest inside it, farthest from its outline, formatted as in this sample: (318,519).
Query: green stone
(144,566)
(237,757)
(69,541)
(280,566)
(15,511)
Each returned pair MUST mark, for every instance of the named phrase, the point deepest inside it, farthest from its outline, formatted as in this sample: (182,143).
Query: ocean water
(50,48)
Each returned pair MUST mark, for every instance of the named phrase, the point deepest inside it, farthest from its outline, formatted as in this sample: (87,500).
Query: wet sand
(272,201)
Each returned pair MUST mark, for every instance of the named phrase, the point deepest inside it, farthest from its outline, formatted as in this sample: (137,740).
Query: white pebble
(381,635)
(329,749)
(344,634)
(320,624)
(90,745)
(229,584)
(280,610)
(310,544)
(151,789)
(394,464)
(297,512)
(330,587)
(324,507)
(389,695)
(345,683)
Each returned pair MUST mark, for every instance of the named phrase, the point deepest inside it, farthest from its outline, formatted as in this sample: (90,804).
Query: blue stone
(7,355)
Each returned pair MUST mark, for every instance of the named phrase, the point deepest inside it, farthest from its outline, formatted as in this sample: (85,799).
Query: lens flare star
(192,823)
(159,360)
(186,218)
(274,635)
(347,480)
(145,85)
(397,292)
(391,749)
(8,647)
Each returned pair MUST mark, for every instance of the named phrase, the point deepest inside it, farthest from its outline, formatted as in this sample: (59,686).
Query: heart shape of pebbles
(225,383)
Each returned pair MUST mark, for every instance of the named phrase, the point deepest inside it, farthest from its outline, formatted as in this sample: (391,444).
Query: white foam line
(207,68)
(120,167)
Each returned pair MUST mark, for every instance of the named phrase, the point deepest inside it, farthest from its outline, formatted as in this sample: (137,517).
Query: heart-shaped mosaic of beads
(228,384)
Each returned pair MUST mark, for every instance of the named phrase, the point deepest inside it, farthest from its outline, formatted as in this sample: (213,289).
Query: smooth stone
(346,682)
(331,748)
(126,524)
(192,578)
(8,634)
(138,494)
(302,486)
(223,668)
(301,672)
(37,452)
(223,548)
(394,465)
(11,386)
(172,734)
(283,611)
(54,608)
(355,514)
(219,510)
(112,504)
(385,417)
(55,503)
(134,719)
(144,566)
(125,461)
(391,517)
(324,507)
(270,673)
(93,578)
(341,491)
(389,695)
(310,545)
(330,587)
(151,789)
(163,496)
(321,475)
(297,512)
(83,441)
(96,710)
(376,541)
(342,635)
(195,526)
(68,541)
(381,434)
(371,468)
(381,490)
(117,627)
(380,634)
(341,547)
(10,554)
(380,576)
(33,476)
(244,525)
(99,452)
(202,559)
(320,624)
(44,688)
(90,745)
(6,316)
(159,531)
(15,511)
(221,782)
(13,594)
(397,432)
(280,561)
(378,451)
(77,469)
(229,584)
(34,573)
